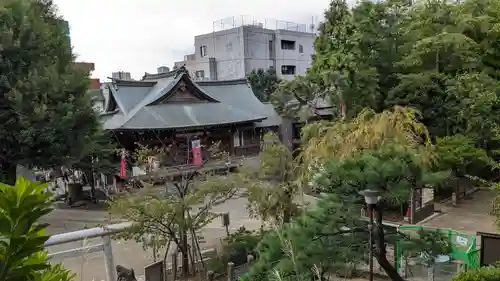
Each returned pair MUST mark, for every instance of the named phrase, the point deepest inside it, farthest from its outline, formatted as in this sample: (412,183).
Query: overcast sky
(140,35)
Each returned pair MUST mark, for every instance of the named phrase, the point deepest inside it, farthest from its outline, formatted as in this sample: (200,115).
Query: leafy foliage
(429,245)
(236,248)
(436,57)
(22,253)
(480,274)
(319,241)
(329,140)
(393,169)
(46,114)
(144,155)
(177,210)
(272,188)
(263,83)
(297,98)
(459,154)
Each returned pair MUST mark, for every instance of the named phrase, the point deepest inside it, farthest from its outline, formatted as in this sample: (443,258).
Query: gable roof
(139,105)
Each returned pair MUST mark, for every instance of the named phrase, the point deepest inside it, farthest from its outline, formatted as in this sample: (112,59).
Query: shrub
(235,248)
(240,244)
(480,274)
(22,253)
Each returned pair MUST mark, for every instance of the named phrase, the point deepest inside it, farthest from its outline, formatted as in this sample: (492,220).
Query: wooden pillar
(232,151)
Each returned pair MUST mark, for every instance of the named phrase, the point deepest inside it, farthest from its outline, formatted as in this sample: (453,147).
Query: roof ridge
(228,82)
(174,72)
(175,82)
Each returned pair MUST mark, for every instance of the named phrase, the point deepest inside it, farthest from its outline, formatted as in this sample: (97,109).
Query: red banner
(123,165)
(196,149)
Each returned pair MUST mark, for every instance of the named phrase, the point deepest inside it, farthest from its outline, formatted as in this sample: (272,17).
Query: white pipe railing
(105,246)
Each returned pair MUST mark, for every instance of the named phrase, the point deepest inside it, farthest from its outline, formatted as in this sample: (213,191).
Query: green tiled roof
(138,107)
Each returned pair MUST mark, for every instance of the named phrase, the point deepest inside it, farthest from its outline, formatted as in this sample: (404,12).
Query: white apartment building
(233,53)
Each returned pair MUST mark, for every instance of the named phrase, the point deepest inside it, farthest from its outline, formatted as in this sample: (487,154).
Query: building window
(203,51)
(288,69)
(287,45)
(200,74)
(301,49)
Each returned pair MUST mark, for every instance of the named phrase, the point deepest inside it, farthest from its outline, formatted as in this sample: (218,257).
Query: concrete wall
(227,47)
(293,57)
(258,52)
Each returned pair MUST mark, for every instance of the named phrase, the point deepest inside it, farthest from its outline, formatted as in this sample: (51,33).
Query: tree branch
(347,231)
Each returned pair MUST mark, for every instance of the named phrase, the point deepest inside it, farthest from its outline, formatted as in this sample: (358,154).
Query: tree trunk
(381,252)
(185,254)
(388,268)
(287,211)
(8,172)
(431,272)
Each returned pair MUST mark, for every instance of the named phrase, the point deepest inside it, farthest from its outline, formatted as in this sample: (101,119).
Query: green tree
(263,83)
(460,155)
(440,58)
(330,237)
(312,246)
(328,140)
(272,187)
(178,210)
(46,115)
(22,253)
(392,168)
(339,66)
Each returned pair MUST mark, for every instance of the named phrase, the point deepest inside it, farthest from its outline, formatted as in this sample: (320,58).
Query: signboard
(155,272)
(196,149)
(462,241)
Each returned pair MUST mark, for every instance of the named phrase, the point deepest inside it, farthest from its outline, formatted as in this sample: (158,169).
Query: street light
(371,198)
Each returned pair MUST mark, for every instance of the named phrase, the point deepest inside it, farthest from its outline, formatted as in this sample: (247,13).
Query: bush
(22,253)
(480,274)
(235,248)
(240,244)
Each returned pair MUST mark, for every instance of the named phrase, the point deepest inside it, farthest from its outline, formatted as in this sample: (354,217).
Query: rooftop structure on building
(121,75)
(163,69)
(239,45)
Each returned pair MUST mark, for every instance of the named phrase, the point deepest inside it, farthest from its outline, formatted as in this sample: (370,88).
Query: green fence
(463,246)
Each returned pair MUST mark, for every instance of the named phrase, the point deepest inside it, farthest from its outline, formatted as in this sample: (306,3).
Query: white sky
(140,35)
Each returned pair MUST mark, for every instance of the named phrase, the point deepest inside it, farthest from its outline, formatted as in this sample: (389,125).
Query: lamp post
(371,198)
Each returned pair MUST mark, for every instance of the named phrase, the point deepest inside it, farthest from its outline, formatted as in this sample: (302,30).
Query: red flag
(123,165)
(196,149)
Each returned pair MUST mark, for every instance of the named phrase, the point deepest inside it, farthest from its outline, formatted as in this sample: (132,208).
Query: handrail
(79,235)
(103,232)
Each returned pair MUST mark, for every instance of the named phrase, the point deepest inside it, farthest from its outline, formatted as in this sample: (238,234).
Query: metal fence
(463,255)
(80,235)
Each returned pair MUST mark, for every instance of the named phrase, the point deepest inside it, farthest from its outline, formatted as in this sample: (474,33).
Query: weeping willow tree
(327,140)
